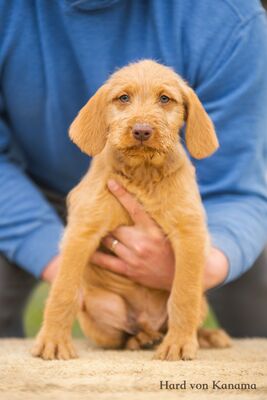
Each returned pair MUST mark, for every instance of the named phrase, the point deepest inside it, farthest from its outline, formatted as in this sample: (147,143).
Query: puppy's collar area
(145,171)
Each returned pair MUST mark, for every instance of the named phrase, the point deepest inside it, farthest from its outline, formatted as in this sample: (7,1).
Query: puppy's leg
(54,338)
(185,299)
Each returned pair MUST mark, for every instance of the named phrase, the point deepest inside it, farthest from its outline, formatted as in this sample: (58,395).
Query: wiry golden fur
(118,312)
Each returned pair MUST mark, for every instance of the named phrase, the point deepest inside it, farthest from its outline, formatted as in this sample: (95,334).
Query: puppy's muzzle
(142,132)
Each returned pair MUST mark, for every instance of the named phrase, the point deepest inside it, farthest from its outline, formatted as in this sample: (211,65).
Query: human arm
(233,181)
(29,227)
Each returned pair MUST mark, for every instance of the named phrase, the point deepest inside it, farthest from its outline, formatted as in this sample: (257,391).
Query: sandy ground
(118,375)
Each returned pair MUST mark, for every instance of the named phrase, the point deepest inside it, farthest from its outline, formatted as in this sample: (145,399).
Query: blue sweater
(53,57)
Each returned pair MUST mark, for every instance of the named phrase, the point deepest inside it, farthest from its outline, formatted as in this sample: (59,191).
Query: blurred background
(34,311)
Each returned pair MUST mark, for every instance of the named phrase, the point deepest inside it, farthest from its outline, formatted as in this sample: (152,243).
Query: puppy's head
(139,112)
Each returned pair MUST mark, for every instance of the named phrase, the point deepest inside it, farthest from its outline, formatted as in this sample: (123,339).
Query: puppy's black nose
(142,132)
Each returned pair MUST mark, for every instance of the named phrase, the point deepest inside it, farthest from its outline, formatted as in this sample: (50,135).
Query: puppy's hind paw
(144,340)
(52,347)
(213,338)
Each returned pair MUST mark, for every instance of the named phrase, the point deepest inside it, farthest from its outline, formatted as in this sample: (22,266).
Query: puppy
(131,125)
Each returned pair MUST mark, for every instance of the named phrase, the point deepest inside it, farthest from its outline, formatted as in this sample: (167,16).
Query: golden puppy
(131,126)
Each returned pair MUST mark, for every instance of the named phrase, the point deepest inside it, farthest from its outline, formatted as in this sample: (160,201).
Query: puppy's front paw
(175,347)
(53,346)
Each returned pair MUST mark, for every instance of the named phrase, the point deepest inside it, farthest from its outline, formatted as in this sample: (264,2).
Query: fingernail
(113,185)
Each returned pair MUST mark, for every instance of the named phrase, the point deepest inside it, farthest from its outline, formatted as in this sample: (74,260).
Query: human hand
(50,271)
(144,253)
(216,269)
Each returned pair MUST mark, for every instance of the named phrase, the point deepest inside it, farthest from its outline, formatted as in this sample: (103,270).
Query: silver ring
(114,244)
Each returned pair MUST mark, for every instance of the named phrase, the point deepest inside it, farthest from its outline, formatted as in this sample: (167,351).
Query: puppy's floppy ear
(200,136)
(89,129)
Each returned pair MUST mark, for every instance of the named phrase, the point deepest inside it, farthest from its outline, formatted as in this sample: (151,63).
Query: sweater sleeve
(29,227)
(233,181)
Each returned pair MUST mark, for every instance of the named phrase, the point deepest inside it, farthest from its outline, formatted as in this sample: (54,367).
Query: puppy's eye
(164,99)
(124,98)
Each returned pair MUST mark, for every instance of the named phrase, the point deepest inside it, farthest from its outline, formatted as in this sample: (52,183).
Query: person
(53,57)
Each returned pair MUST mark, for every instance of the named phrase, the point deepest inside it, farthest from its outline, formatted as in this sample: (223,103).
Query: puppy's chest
(162,206)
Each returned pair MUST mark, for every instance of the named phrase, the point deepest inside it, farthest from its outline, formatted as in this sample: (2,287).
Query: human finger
(123,252)
(112,263)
